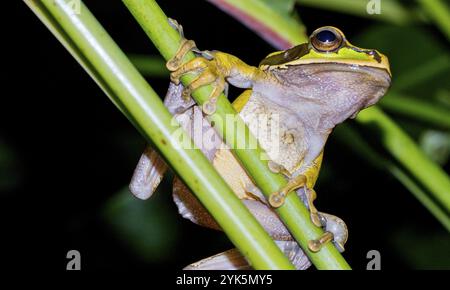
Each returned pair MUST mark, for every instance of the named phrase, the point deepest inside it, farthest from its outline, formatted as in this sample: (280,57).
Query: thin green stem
(439,13)
(417,109)
(293,213)
(349,136)
(404,149)
(143,107)
(423,198)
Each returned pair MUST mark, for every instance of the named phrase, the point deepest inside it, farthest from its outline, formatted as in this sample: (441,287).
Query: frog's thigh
(227,166)
(232,172)
(190,208)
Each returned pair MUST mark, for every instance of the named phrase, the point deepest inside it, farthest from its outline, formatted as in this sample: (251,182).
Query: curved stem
(404,149)
(417,109)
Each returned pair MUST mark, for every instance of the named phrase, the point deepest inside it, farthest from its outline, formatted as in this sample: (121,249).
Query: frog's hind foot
(311,195)
(276,199)
(316,245)
(335,231)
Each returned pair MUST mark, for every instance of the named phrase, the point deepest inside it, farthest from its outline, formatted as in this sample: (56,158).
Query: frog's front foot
(335,231)
(205,66)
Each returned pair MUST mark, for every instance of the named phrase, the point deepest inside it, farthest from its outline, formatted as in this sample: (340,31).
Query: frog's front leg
(213,67)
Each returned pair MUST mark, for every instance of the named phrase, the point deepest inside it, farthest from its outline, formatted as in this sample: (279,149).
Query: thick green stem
(132,94)
(403,148)
(293,213)
(346,134)
(417,109)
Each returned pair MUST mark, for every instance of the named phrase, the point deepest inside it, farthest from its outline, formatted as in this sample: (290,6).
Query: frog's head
(330,71)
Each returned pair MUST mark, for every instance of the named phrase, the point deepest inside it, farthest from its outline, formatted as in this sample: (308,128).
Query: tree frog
(308,90)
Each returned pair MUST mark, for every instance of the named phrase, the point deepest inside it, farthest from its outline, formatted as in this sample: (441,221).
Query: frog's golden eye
(326,39)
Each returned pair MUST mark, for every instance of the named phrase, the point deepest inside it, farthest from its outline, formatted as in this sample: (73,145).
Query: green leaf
(439,12)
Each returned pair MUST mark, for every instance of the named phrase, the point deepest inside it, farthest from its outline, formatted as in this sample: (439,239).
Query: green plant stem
(417,109)
(293,213)
(347,135)
(144,109)
(439,13)
(404,149)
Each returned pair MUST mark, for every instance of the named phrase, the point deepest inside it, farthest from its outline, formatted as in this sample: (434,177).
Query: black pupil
(326,36)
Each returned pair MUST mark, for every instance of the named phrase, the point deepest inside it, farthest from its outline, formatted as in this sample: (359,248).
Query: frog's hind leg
(151,167)
(276,199)
(227,260)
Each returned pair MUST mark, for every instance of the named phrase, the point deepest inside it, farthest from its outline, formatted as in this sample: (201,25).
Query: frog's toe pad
(276,199)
